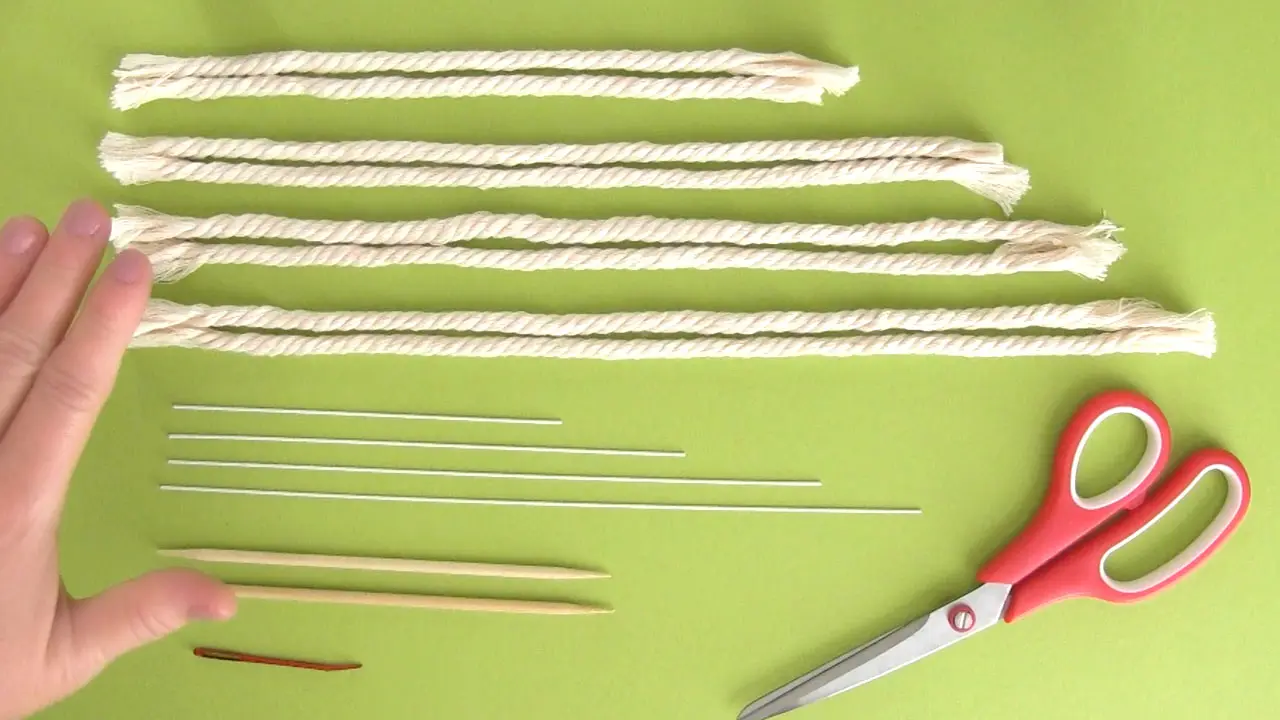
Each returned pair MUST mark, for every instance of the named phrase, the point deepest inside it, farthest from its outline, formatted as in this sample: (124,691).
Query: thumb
(143,610)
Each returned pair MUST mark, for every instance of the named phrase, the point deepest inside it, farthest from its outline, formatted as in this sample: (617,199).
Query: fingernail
(216,611)
(18,236)
(130,267)
(85,218)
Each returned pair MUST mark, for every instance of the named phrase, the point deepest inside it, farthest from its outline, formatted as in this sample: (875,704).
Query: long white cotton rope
(1004,184)
(167,326)
(1153,340)
(404,152)
(1090,258)
(1122,314)
(719,74)
(138,226)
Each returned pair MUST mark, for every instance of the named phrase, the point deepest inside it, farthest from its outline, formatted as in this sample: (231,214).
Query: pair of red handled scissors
(1062,553)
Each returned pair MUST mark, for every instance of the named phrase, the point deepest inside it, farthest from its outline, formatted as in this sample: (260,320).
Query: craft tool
(422,602)
(192,407)
(423,444)
(539,503)
(1058,555)
(233,656)
(491,475)
(404,565)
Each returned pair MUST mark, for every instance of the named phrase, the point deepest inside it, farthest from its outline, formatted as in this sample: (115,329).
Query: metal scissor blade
(894,649)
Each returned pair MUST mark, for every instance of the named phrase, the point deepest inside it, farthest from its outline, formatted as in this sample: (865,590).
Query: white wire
(540,503)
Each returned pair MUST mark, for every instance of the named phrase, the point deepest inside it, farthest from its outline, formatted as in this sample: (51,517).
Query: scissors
(1060,554)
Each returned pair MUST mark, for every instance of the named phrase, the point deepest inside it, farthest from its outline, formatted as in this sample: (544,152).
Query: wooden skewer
(426,567)
(425,602)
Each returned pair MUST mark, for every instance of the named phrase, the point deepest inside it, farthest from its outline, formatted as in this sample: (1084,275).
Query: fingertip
(208,598)
(21,234)
(219,608)
(130,267)
(86,218)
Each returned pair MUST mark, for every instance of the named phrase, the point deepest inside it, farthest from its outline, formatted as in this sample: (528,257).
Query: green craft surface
(1160,115)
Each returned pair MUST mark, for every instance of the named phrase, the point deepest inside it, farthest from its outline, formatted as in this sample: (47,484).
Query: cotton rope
(716,74)
(1027,246)
(785,164)
(1129,326)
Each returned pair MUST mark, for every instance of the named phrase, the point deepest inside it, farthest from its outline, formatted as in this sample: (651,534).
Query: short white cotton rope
(138,226)
(403,152)
(718,74)
(302,62)
(1124,314)
(130,94)
(1090,258)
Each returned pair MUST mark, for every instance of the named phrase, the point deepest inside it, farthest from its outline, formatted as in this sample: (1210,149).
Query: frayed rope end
(1002,183)
(127,160)
(136,225)
(133,93)
(1094,256)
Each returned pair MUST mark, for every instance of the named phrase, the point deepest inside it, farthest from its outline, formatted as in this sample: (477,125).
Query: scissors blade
(896,648)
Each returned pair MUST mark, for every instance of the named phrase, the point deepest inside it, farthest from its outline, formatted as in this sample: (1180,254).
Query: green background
(1160,115)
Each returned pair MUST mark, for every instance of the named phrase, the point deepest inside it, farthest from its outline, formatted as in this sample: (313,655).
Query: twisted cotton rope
(777,77)
(731,62)
(137,226)
(432,153)
(1144,340)
(1135,327)
(1124,314)
(1091,258)
(130,94)
(1003,184)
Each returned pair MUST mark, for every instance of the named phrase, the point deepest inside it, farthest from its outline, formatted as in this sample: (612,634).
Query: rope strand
(1145,329)
(136,226)
(727,74)
(402,152)
(733,62)
(1000,183)
(1143,340)
(131,94)
(1123,314)
(177,259)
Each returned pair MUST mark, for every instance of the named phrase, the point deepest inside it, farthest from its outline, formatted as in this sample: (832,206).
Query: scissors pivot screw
(962,618)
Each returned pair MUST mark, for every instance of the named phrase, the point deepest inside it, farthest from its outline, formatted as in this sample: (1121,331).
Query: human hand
(55,375)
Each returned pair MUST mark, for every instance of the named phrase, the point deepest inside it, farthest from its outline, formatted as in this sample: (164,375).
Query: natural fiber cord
(1131,326)
(138,226)
(785,164)
(717,74)
(1026,246)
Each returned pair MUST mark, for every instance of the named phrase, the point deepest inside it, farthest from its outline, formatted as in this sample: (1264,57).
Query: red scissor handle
(1081,570)
(1064,516)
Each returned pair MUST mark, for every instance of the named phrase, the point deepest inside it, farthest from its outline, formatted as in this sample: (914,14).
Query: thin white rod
(191,407)
(428,444)
(490,475)
(540,503)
